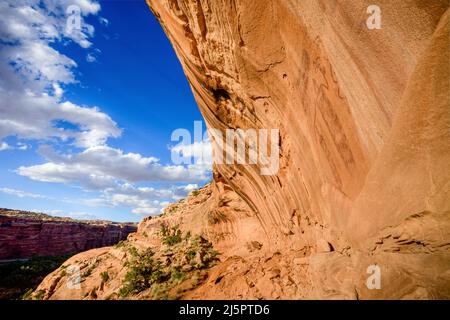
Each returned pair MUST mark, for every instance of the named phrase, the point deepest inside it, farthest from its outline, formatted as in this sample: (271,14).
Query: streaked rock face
(24,235)
(364,120)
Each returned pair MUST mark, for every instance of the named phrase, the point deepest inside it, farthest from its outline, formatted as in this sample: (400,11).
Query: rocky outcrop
(364,122)
(27,234)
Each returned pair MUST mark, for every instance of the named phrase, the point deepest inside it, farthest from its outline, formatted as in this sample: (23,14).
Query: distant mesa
(26,234)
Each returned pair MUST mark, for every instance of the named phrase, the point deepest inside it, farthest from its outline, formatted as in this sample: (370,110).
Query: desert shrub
(143,271)
(39,295)
(133,251)
(200,254)
(191,253)
(91,267)
(195,193)
(171,209)
(105,276)
(28,295)
(177,275)
(170,235)
(179,258)
(160,292)
(121,244)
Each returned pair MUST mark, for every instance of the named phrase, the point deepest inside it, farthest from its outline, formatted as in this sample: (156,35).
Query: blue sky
(86,116)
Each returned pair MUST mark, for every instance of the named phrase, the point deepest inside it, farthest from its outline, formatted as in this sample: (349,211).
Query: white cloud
(78,215)
(143,200)
(22,194)
(35,21)
(104,21)
(39,62)
(4,146)
(52,212)
(87,6)
(57,90)
(33,73)
(90,58)
(102,166)
(33,116)
(22,146)
(148,211)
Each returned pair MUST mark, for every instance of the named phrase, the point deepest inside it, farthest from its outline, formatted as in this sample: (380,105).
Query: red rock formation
(364,173)
(24,235)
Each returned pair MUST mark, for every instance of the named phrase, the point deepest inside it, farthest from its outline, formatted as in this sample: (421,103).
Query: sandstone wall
(364,121)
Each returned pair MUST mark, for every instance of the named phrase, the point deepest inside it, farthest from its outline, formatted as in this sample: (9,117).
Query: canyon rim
(364,175)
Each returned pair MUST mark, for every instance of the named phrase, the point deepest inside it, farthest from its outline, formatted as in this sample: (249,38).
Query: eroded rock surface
(364,118)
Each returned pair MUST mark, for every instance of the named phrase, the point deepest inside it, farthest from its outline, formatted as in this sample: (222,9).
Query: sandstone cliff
(27,234)
(364,178)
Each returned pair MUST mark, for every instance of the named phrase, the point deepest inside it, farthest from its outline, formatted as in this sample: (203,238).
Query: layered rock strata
(25,234)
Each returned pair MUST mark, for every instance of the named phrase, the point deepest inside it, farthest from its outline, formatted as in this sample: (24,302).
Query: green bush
(170,236)
(143,271)
(177,275)
(121,244)
(105,276)
(180,258)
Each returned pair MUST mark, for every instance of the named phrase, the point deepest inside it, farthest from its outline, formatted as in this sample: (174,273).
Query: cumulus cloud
(34,116)
(46,19)
(147,201)
(34,73)
(102,166)
(143,200)
(115,174)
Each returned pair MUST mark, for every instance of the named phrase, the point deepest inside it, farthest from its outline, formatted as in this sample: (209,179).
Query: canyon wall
(364,117)
(25,235)
(364,177)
